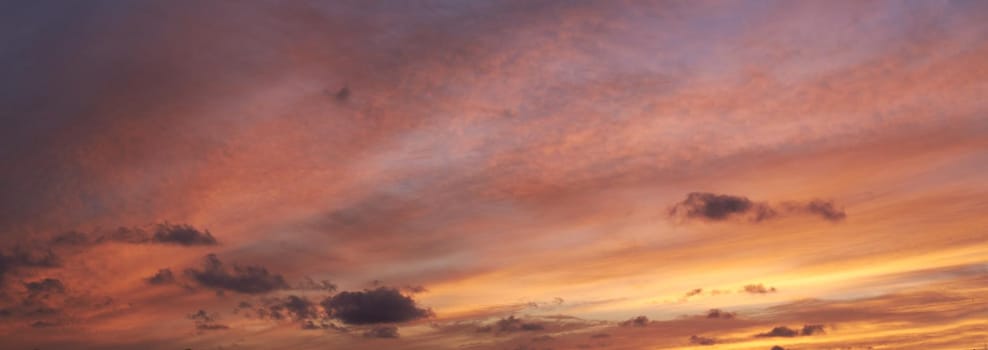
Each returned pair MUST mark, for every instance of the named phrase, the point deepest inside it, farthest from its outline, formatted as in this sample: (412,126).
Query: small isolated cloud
(342,94)
(241,279)
(778,348)
(639,321)
(758,289)
(382,332)
(380,305)
(163,276)
(720,207)
(717,313)
(781,331)
(694,292)
(700,340)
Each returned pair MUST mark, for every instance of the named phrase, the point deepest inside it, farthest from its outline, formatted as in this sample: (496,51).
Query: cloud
(717,313)
(382,332)
(776,347)
(758,289)
(211,327)
(296,308)
(700,340)
(45,286)
(205,321)
(242,279)
(812,329)
(343,94)
(781,331)
(717,207)
(163,276)
(200,316)
(827,210)
(381,305)
(720,207)
(309,284)
(694,292)
(639,321)
(162,233)
(129,235)
(421,289)
(20,257)
(182,235)
(511,324)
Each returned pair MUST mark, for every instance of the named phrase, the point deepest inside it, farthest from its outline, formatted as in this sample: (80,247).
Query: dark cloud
(163,233)
(343,94)
(20,257)
(129,235)
(321,324)
(47,285)
(381,305)
(781,331)
(778,348)
(382,332)
(241,279)
(531,327)
(694,292)
(600,335)
(717,313)
(205,321)
(758,289)
(812,329)
(826,210)
(717,207)
(309,284)
(720,207)
(70,238)
(700,340)
(200,316)
(163,276)
(639,321)
(182,235)
(293,307)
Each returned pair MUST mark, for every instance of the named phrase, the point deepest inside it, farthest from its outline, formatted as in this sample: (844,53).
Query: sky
(520,175)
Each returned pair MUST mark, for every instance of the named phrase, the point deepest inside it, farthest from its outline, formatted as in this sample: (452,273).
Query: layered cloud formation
(493,175)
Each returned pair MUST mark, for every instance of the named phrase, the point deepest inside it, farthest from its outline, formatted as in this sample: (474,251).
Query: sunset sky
(518,175)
